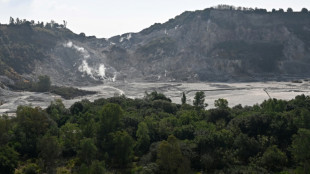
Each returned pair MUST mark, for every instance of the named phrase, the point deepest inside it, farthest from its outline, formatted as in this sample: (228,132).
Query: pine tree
(183,99)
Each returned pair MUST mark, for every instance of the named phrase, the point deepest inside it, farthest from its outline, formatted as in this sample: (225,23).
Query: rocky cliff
(206,45)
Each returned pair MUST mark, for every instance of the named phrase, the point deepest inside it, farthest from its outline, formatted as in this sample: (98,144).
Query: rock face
(207,45)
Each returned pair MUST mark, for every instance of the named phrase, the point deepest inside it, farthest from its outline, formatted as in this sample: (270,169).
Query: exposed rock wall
(207,45)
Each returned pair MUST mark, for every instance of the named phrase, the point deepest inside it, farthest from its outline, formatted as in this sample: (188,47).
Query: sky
(107,18)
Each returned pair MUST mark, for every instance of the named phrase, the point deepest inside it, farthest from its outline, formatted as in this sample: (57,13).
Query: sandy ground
(235,93)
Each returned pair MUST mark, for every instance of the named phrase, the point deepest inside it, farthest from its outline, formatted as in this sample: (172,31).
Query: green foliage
(221,103)
(5,127)
(166,126)
(58,112)
(246,147)
(88,127)
(302,119)
(166,106)
(199,100)
(121,135)
(300,149)
(44,83)
(87,151)
(304,10)
(97,167)
(8,159)
(31,124)
(70,136)
(273,159)
(156,96)
(76,108)
(143,138)
(290,10)
(69,92)
(110,118)
(24,42)
(183,99)
(170,159)
(30,168)
(49,151)
(219,114)
(121,149)
(273,105)
(62,170)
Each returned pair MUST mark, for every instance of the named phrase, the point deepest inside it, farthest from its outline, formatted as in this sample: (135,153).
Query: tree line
(49,25)
(257,10)
(154,135)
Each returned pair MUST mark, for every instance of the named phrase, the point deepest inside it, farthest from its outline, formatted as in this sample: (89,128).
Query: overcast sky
(106,18)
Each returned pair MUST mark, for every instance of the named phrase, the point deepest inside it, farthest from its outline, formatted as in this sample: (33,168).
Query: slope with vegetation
(24,42)
(224,43)
(153,135)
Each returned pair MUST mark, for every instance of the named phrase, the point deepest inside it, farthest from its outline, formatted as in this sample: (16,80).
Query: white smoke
(101,71)
(84,68)
(114,77)
(128,36)
(68,45)
(96,72)
(93,72)
(82,50)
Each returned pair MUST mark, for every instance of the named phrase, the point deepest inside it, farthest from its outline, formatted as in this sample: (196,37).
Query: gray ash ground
(249,93)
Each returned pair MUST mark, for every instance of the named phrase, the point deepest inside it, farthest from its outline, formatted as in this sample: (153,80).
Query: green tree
(32,123)
(199,100)
(110,117)
(166,126)
(87,151)
(70,135)
(8,159)
(273,159)
(121,152)
(11,22)
(221,103)
(5,129)
(29,168)
(183,99)
(156,96)
(304,10)
(97,167)
(143,138)
(58,112)
(303,119)
(88,127)
(246,147)
(44,83)
(289,10)
(169,157)
(62,170)
(49,150)
(301,149)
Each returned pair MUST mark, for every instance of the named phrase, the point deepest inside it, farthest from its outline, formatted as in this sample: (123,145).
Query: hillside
(206,45)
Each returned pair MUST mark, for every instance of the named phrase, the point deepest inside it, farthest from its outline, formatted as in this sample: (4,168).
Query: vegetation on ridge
(43,84)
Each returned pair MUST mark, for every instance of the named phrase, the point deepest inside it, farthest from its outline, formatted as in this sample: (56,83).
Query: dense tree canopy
(153,135)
